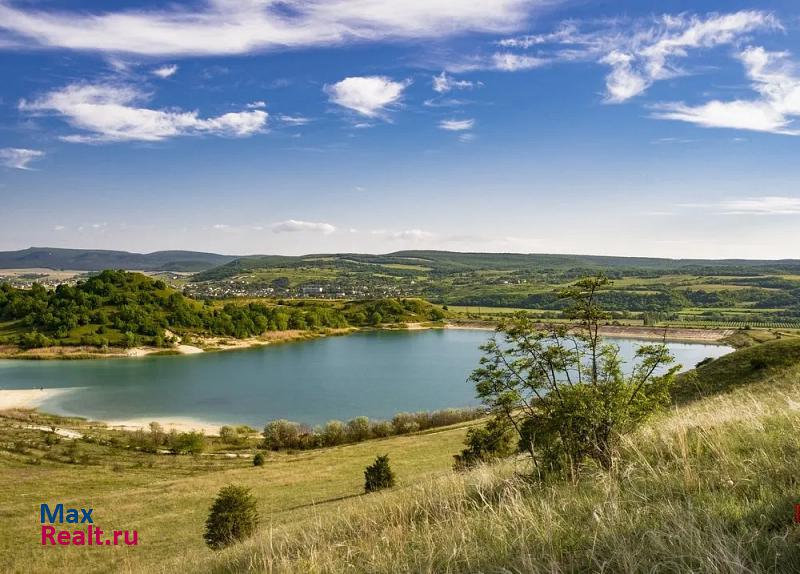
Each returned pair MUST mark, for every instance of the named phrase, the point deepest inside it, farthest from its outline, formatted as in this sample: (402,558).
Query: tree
(280,434)
(358,429)
(232,517)
(378,475)
(333,433)
(230,435)
(563,390)
(157,434)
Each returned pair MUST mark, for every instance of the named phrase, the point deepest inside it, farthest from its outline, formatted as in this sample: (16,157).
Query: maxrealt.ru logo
(90,535)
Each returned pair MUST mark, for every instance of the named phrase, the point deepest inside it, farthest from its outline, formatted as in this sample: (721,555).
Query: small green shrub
(258,459)
(232,517)
(378,475)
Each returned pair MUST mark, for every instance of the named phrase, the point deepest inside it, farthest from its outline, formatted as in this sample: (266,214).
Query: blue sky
(257,126)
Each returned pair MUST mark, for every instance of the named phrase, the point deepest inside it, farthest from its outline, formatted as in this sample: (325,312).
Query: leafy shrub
(258,459)
(232,517)
(486,443)
(378,475)
(187,442)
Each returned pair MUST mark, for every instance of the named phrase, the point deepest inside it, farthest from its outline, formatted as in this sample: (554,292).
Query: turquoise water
(375,374)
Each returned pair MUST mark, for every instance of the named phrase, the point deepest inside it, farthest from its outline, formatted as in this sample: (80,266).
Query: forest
(129,309)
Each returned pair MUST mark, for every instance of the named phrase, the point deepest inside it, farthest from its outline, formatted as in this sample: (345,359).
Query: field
(166,497)
(709,486)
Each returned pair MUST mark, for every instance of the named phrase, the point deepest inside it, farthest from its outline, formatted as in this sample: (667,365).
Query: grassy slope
(166,498)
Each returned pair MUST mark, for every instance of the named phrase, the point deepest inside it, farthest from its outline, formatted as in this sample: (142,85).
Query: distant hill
(447,262)
(99,259)
(215,266)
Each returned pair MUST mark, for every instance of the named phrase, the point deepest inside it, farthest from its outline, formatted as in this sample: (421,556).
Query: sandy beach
(177,423)
(27,398)
(33,398)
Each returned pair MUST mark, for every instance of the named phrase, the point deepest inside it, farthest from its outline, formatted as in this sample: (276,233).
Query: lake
(375,374)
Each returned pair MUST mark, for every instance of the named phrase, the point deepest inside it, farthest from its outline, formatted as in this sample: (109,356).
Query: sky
(627,127)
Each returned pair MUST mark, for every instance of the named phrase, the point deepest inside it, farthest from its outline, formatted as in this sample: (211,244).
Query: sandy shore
(177,423)
(33,398)
(27,398)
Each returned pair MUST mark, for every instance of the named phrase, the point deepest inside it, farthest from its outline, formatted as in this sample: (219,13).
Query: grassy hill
(707,487)
(99,259)
(449,261)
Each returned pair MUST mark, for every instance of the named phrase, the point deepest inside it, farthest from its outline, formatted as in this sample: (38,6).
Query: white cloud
(220,27)
(19,158)
(368,95)
(762,205)
(257,105)
(293,226)
(406,234)
(59,228)
(109,113)
(457,125)
(413,234)
(444,83)
(165,71)
(294,120)
(773,76)
(767,205)
(508,62)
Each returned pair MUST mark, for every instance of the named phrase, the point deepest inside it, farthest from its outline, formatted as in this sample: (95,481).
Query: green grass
(738,369)
(166,497)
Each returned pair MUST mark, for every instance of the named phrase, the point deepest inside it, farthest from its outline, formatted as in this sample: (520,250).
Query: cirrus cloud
(19,158)
(457,125)
(225,27)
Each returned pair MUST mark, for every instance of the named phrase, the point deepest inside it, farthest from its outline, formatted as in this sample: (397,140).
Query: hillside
(708,487)
(99,259)
(442,262)
(723,293)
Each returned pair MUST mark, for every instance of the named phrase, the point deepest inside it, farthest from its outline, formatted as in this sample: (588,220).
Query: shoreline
(669,334)
(208,345)
(217,344)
